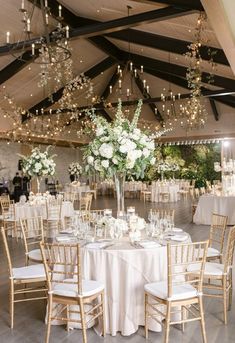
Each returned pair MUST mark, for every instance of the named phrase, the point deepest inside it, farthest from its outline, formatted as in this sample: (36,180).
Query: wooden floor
(29,317)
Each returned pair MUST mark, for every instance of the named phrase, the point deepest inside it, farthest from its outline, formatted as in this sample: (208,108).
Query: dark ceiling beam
(177,70)
(91,73)
(214,94)
(190,4)
(146,95)
(164,43)
(109,26)
(102,28)
(15,66)
(214,109)
(224,96)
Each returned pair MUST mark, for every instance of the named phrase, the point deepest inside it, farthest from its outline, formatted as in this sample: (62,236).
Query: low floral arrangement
(38,163)
(75,169)
(120,147)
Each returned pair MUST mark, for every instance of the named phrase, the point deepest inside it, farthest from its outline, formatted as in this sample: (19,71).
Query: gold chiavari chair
(10,223)
(70,196)
(32,231)
(53,215)
(27,280)
(216,238)
(218,276)
(66,287)
(180,290)
(85,202)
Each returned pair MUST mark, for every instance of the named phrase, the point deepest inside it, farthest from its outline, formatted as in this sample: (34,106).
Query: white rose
(106,150)
(105,163)
(90,159)
(152,161)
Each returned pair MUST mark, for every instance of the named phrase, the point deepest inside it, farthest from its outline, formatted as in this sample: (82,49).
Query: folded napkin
(149,244)
(97,245)
(178,238)
(65,238)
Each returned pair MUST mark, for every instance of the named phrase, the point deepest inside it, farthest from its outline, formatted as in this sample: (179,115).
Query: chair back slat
(7,252)
(180,256)
(217,231)
(62,264)
(32,231)
(230,250)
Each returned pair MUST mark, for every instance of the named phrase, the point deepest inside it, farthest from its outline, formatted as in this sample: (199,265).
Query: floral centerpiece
(75,169)
(38,164)
(119,149)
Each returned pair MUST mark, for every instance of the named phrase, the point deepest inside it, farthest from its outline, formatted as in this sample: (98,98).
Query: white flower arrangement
(38,163)
(75,169)
(120,147)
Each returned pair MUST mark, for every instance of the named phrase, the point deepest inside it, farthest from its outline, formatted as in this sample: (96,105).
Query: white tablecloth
(124,273)
(208,204)
(78,190)
(29,211)
(158,188)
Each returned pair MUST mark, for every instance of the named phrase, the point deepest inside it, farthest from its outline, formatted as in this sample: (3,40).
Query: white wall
(9,160)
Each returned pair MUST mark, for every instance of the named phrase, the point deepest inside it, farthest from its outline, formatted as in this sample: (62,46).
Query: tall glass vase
(38,179)
(119,180)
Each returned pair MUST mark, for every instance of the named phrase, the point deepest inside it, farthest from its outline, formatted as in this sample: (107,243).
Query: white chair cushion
(35,255)
(216,269)
(29,272)
(159,289)
(54,218)
(212,252)
(89,287)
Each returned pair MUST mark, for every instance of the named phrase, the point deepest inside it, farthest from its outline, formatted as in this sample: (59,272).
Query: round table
(209,204)
(158,188)
(28,210)
(124,270)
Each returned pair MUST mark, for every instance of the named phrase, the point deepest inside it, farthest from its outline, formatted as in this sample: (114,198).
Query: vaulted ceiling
(156,35)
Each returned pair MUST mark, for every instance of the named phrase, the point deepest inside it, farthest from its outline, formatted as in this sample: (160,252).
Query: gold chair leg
(49,318)
(202,320)
(146,315)
(11,303)
(83,322)
(225,301)
(167,324)
(103,315)
(67,313)
(184,315)
(230,290)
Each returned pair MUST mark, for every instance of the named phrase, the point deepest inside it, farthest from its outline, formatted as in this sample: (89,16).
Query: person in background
(17,182)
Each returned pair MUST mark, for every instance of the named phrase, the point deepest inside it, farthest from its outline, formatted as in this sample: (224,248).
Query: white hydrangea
(106,150)
(105,163)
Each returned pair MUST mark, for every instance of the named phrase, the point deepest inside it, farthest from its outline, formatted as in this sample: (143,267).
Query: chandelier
(50,47)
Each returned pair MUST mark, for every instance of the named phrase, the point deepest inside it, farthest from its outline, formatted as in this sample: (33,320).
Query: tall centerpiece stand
(38,165)
(119,149)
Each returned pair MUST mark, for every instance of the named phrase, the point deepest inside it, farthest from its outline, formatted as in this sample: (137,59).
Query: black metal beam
(129,21)
(109,26)
(164,43)
(177,70)
(214,94)
(214,109)
(190,4)
(146,95)
(91,73)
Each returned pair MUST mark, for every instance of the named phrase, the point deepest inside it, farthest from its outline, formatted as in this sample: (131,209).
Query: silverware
(107,246)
